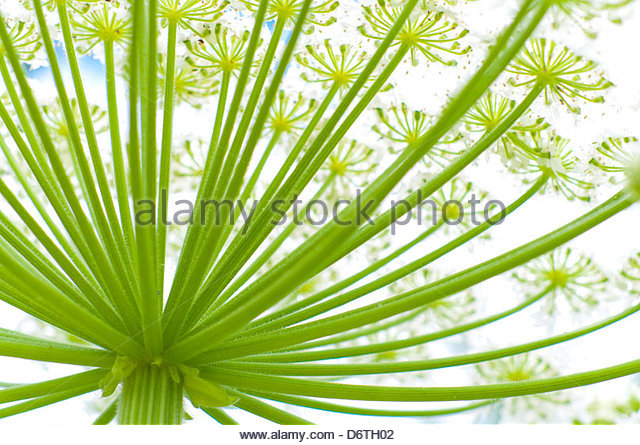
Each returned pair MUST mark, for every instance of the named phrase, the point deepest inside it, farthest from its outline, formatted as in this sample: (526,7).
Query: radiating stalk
(97,162)
(311,388)
(267,253)
(209,179)
(150,301)
(120,174)
(263,323)
(309,311)
(303,353)
(326,406)
(165,151)
(423,295)
(108,414)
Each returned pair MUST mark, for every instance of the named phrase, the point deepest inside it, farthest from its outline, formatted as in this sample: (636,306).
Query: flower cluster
(522,368)
(564,274)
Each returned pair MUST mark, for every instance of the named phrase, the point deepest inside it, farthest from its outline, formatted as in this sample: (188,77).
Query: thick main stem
(151,397)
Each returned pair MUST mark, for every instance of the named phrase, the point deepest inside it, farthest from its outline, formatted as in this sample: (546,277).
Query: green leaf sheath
(151,397)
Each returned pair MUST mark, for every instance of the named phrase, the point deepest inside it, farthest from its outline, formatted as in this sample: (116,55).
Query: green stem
(420,296)
(165,153)
(101,204)
(108,414)
(302,265)
(268,253)
(151,397)
(82,222)
(17,169)
(273,188)
(151,299)
(48,399)
(24,392)
(393,276)
(83,280)
(394,345)
(326,406)
(296,369)
(220,416)
(308,259)
(310,388)
(120,174)
(28,291)
(266,323)
(213,169)
(209,235)
(266,411)
(234,260)
(15,344)
(351,334)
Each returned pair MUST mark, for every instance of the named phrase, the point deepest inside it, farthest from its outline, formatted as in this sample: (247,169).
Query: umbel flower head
(57,122)
(522,368)
(403,128)
(333,67)
(24,39)
(185,13)
(108,24)
(633,176)
(489,112)
(189,158)
(288,116)
(348,167)
(550,154)
(620,157)
(446,312)
(219,51)
(190,84)
(630,275)
(564,274)
(581,12)
(429,33)
(564,75)
(455,202)
(612,412)
(287,10)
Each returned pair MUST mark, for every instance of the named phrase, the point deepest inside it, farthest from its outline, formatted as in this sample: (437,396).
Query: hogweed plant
(246,297)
